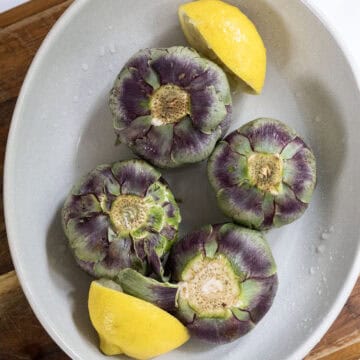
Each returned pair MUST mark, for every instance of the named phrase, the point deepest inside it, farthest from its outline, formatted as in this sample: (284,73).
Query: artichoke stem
(128,212)
(265,171)
(169,104)
(210,286)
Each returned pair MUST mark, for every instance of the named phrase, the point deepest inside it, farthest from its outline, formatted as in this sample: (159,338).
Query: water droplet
(110,27)
(317,118)
(85,67)
(102,51)
(331,229)
(331,258)
(324,236)
(320,249)
(311,271)
(319,291)
(112,48)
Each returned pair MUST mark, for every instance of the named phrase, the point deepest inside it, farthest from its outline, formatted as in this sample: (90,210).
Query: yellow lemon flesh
(224,34)
(127,325)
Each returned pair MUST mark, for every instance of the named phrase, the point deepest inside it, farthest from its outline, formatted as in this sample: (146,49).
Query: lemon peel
(225,35)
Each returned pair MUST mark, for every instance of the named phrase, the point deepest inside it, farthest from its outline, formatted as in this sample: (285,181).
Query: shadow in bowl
(97,142)
(327,136)
(196,198)
(67,275)
(172,37)
(197,346)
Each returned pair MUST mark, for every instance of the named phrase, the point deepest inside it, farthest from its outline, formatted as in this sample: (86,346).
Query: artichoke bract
(170,106)
(225,279)
(120,216)
(263,174)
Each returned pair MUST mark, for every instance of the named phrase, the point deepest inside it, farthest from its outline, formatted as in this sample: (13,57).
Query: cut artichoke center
(128,213)
(169,104)
(210,286)
(265,171)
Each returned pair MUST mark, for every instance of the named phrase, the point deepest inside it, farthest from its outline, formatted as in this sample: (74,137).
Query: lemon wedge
(127,325)
(224,34)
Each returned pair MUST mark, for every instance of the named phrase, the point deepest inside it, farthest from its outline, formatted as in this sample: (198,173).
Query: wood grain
(21,335)
(26,10)
(18,45)
(344,334)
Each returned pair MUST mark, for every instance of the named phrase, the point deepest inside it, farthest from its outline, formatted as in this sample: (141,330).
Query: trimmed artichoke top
(263,174)
(121,216)
(225,278)
(170,105)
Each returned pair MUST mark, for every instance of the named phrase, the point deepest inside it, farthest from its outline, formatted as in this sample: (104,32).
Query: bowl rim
(9,212)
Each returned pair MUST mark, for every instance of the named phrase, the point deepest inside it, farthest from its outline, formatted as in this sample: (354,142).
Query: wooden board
(21,335)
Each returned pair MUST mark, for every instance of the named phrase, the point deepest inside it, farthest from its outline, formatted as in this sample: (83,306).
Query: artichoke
(119,216)
(225,282)
(170,106)
(263,174)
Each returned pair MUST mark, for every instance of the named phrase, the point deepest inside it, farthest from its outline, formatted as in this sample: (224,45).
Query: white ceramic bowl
(62,128)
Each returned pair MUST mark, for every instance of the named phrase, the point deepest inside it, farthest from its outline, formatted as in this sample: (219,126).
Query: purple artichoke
(225,282)
(171,106)
(263,174)
(121,216)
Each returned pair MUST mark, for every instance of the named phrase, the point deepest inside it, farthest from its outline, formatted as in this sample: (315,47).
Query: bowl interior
(62,128)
